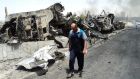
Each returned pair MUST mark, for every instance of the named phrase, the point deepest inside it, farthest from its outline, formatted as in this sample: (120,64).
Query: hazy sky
(123,7)
(15,6)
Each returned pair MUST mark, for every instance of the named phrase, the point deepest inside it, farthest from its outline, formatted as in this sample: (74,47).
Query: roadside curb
(110,36)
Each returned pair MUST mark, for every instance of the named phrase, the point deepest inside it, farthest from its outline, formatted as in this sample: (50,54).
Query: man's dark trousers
(80,58)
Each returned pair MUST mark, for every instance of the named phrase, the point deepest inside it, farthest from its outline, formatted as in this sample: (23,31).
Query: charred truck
(103,22)
(34,25)
(106,23)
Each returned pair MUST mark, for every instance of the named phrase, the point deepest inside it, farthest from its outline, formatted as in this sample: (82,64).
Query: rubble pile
(40,58)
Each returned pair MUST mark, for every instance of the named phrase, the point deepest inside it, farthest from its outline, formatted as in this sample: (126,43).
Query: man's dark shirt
(77,39)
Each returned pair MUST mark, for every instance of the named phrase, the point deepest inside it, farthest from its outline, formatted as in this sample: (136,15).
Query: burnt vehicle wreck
(50,22)
(107,23)
(32,25)
(101,25)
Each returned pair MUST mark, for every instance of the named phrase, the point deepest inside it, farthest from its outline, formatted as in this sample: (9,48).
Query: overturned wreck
(105,22)
(50,22)
(33,25)
(99,26)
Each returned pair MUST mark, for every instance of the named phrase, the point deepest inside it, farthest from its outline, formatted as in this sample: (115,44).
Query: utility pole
(6,12)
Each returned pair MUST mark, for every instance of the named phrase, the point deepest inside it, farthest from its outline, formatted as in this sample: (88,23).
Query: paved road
(118,58)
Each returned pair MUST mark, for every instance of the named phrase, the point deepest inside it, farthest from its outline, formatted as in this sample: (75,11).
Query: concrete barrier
(21,50)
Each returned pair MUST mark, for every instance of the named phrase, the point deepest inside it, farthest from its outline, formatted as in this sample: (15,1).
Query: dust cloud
(126,8)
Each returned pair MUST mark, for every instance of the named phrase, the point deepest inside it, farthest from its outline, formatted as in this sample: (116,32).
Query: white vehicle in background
(137,24)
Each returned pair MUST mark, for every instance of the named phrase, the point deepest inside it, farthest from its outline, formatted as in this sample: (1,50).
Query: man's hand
(85,51)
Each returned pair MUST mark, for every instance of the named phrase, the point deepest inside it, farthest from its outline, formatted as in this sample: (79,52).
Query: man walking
(77,48)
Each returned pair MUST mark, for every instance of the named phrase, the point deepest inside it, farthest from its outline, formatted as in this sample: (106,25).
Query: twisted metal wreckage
(50,23)
(37,25)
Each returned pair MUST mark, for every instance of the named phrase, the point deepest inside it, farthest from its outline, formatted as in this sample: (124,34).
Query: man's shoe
(71,74)
(80,73)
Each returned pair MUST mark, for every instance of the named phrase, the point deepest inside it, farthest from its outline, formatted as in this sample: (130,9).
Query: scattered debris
(40,58)
(61,53)
(62,41)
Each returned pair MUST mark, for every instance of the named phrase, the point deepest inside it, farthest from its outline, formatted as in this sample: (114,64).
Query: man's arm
(85,50)
(69,42)
(69,45)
